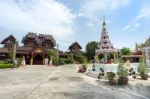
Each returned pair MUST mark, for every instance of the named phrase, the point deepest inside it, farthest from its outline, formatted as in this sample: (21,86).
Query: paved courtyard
(43,82)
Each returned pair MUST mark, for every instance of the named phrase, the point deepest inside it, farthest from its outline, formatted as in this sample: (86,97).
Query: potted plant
(143,70)
(111,76)
(122,72)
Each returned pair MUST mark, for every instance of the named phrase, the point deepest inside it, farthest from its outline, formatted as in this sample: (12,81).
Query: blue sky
(68,21)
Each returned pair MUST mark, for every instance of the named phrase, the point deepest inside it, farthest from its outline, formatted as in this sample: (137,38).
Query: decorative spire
(104,24)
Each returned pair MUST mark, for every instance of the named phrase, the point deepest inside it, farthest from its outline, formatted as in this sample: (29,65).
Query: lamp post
(14,53)
(57,53)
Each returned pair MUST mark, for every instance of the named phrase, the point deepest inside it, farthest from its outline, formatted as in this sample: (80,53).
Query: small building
(35,48)
(74,48)
(134,57)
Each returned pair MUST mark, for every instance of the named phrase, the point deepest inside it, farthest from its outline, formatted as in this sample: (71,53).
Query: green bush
(122,71)
(123,74)
(61,61)
(142,69)
(110,75)
(55,62)
(69,61)
(80,58)
(71,58)
(3,66)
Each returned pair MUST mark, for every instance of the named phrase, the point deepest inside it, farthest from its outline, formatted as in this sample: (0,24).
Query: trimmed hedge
(3,66)
(6,61)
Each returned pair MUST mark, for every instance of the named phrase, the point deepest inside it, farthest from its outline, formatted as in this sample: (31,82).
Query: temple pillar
(114,57)
(31,61)
(96,58)
(105,57)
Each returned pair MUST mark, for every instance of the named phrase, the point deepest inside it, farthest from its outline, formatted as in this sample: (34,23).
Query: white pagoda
(105,45)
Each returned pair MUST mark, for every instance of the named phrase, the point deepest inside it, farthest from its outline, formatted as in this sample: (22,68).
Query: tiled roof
(41,35)
(48,37)
(3,50)
(24,48)
(31,35)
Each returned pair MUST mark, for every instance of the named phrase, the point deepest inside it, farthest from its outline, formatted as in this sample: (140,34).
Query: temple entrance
(38,60)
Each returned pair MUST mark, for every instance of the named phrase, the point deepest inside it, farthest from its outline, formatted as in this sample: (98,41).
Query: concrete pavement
(63,82)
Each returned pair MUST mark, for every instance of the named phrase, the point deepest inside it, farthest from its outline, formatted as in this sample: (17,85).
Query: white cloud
(143,13)
(41,16)
(127,27)
(94,7)
(135,26)
(94,10)
(132,27)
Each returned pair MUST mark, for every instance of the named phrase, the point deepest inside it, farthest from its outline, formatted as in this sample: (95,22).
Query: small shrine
(105,45)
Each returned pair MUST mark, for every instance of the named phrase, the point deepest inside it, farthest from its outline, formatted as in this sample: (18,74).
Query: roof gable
(75,44)
(9,39)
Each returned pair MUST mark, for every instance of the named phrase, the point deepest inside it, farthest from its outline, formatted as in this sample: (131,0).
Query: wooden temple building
(75,48)
(34,50)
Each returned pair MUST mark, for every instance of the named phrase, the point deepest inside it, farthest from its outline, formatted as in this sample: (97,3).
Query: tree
(146,43)
(80,58)
(52,55)
(125,51)
(10,54)
(90,49)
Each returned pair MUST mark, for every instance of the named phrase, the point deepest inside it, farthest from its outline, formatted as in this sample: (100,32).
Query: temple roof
(39,38)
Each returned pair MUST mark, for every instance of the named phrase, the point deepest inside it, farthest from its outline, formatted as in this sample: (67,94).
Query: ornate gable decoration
(38,50)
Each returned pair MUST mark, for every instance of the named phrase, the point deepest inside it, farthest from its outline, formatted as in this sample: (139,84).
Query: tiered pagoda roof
(105,43)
